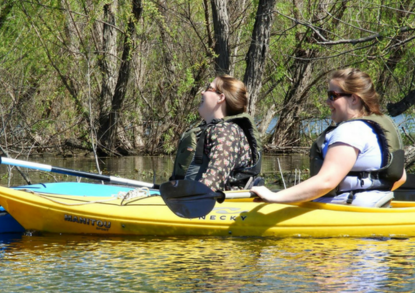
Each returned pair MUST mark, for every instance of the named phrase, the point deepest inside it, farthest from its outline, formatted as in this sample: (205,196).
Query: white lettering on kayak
(223,218)
(227,213)
(228,210)
(101,225)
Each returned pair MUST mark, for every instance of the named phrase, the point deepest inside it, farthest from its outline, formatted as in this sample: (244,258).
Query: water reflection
(85,263)
(9,238)
(138,167)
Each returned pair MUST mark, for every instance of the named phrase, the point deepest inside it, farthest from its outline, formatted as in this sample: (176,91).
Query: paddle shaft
(192,199)
(242,194)
(94,176)
(239,194)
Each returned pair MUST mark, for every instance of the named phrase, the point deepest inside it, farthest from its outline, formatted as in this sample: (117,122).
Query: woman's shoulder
(355,126)
(227,126)
(224,129)
(355,133)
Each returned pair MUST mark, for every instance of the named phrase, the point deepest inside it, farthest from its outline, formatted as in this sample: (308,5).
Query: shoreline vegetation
(81,77)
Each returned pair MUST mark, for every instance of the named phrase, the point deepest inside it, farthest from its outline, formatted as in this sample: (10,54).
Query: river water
(140,168)
(74,263)
(69,263)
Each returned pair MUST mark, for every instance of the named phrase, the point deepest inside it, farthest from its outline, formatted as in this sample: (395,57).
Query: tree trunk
(266,120)
(107,133)
(167,48)
(255,59)
(287,130)
(221,28)
(108,65)
(409,156)
(383,81)
(108,62)
(72,36)
(237,40)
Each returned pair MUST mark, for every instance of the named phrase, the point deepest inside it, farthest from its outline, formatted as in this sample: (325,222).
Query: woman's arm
(401,181)
(339,160)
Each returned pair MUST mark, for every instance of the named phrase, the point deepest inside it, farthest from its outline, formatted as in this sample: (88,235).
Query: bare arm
(400,182)
(339,160)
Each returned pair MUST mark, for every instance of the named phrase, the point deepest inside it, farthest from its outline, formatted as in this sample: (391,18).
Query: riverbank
(75,151)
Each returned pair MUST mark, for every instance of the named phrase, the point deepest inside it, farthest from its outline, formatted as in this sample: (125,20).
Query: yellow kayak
(148,215)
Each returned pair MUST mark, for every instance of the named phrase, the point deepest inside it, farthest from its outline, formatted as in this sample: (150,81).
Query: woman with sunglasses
(223,151)
(358,161)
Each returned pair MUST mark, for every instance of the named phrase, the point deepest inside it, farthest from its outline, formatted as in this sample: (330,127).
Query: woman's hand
(339,161)
(265,195)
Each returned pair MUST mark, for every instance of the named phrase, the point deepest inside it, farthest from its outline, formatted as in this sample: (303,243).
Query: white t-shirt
(361,136)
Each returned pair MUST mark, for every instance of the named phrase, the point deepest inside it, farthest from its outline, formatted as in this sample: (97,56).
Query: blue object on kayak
(78,188)
(9,225)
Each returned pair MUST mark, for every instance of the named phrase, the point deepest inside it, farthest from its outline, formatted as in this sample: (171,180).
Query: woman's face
(210,101)
(341,106)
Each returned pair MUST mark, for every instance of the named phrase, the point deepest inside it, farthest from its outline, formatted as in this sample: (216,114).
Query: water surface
(69,263)
(140,168)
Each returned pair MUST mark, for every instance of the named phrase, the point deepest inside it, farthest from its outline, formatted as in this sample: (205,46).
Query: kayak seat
(385,202)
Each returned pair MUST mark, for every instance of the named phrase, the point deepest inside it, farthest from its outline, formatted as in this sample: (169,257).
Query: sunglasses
(209,88)
(332,95)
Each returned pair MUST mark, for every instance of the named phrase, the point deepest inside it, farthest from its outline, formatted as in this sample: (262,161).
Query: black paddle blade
(188,199)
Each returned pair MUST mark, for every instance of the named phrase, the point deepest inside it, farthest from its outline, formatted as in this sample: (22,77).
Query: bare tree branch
(377,37)
(395,109)
(310,26)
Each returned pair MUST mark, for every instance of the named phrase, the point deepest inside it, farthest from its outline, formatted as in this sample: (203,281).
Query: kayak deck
(150,216)
(75,188)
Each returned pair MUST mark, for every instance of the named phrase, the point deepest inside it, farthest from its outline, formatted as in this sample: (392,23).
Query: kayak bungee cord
(137,194)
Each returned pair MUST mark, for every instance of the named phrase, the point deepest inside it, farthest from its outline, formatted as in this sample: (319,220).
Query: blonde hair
(354,81)
(236,94)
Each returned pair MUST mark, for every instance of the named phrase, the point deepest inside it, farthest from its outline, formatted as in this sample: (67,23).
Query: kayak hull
(150,216)
(9,225)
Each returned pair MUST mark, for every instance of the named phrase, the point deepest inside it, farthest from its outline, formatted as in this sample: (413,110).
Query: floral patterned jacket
(227,148)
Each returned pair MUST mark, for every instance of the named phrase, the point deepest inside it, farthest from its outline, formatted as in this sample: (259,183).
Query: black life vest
(191,161)
(393,156)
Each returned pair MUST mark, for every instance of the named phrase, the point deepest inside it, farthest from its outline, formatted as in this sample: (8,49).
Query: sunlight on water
(86,263)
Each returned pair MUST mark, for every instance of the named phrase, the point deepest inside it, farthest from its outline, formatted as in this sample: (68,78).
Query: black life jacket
(393,156)
(191,162)
(186,150)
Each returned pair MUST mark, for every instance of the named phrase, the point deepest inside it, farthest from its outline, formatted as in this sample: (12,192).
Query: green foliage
(52,63)
(168,146)
(187,82)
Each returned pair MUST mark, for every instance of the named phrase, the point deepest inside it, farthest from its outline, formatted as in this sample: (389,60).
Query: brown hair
(236,94)
(354,81)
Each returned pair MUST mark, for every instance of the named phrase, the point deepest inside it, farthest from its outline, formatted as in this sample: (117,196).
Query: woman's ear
(221,98)
(356,99)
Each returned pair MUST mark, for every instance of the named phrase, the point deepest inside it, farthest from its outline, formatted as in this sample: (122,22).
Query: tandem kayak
(149,215)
